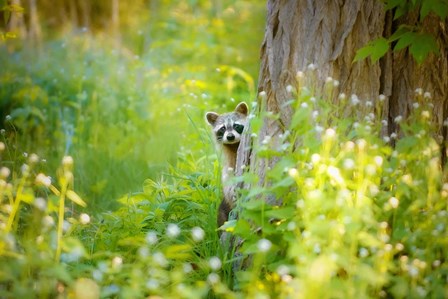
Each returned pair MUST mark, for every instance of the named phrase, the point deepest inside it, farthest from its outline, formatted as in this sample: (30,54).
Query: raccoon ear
(242,108)
(211,117)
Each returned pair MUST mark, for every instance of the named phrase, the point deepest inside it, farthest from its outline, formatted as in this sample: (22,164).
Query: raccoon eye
(239,128)
(221,132)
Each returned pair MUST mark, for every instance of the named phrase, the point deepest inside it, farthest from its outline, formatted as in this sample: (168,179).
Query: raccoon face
(228,127)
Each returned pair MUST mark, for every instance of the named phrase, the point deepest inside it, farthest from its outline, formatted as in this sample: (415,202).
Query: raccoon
(228,128)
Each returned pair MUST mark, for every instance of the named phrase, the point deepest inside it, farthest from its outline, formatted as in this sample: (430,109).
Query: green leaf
(281,213)
(405,40)
(439,7)
(423,45)
(75,198)
(392,4)
(380,47)
(399,33)
(363,53)
(375,49)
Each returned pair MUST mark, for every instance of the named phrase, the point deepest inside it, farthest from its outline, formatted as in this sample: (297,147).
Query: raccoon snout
(230,137)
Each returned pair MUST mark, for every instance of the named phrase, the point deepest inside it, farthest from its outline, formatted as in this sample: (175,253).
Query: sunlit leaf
(75,198)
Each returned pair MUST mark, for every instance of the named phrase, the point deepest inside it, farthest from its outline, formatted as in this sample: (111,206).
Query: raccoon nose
(230,137)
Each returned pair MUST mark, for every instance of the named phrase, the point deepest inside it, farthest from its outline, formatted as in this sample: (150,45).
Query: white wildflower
(312,67)
(419,91)
(416,105)
(289,88)
(393,201)
(5,172)
(151,237)
(172,230)
(425,114)
(363,252)
(378,161)
(382,97)
(264,245)
(44,180)
(213,278)
(187,267)
(354,100)
(300,74)
(215,263)
(117,262)
(33,159)
(293,172)
(84,218)
(47,221)
(291,226)
(329,133)
(315,158)
(67,161)
(160,259)
(318,129)
(40,203)
(342,96)
(398,119)
(348,164)
(197,234)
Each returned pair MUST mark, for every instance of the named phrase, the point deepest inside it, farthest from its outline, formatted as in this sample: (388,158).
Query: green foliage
(419,42)
(123,111)
(358,218)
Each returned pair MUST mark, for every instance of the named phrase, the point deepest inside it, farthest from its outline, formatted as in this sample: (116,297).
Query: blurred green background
(122,86)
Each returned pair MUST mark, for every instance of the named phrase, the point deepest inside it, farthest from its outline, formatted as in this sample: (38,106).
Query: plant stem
(16,205)
(60,221)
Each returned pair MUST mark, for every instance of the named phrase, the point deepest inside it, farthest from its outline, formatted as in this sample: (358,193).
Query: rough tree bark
(327,34)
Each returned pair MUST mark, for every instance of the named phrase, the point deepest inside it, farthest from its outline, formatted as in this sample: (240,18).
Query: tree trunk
(328,34)
(35,31)
(16,22)
(115,21)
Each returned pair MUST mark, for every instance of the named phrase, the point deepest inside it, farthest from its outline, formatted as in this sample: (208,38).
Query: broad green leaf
(281,213)
(380,47)
(439,7)
(255,205)
(375,49)
(405,40)
(423,45)
(363,53)
(399,33)
(392,4)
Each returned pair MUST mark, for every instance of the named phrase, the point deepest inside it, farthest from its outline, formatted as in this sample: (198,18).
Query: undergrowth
(357,217)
